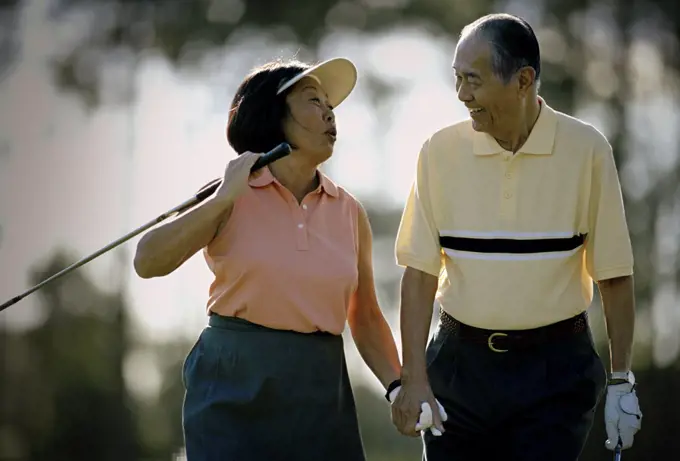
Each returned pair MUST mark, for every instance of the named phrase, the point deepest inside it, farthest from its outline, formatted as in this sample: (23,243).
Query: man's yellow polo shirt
(516,240)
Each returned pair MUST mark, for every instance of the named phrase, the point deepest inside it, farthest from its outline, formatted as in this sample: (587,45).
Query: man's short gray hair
(513,44)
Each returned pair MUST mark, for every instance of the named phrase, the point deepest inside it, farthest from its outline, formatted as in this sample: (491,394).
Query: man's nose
(464,94)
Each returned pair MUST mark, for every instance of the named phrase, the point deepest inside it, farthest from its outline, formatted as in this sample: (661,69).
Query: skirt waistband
(239,324)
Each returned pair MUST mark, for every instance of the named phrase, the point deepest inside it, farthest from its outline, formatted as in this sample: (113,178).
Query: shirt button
(508,175)
(300,226)
(507,195)
(304,207)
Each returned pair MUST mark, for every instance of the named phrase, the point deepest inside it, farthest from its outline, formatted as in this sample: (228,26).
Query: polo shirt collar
(267,178)
(539,142)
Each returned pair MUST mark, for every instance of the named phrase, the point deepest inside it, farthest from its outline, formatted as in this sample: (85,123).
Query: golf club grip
(273,155)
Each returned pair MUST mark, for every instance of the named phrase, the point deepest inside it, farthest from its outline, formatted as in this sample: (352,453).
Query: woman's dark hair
(257,113)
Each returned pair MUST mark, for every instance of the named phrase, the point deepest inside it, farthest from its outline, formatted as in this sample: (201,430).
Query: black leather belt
(504,340)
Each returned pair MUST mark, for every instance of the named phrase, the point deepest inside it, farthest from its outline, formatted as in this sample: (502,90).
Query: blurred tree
(9,46)
(159,421)
(175,27)
(63,393)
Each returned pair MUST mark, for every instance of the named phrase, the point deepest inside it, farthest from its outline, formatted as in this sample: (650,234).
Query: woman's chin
(324,153)
(318,153)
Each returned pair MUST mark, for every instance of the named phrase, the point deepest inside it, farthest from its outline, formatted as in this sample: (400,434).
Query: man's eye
(316,100)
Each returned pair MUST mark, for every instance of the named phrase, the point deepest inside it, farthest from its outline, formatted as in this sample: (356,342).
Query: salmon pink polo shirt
(283,264)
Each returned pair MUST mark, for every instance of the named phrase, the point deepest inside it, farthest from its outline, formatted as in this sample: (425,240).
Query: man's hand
(407,407)
(622,415)
(425,420)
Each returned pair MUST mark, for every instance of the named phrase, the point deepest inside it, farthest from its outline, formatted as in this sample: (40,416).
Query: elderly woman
(291,256)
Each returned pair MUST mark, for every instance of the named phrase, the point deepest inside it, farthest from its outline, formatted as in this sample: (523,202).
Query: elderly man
(513,214)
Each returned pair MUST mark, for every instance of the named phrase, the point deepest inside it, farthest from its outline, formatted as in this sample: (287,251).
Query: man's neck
(519,135)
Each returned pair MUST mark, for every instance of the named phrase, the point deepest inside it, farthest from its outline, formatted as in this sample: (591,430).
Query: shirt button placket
(509,181)
(301,232)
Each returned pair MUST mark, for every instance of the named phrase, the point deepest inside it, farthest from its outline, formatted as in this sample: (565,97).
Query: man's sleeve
(609,251)
(417,244)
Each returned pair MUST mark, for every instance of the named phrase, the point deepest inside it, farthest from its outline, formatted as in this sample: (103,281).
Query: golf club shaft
(100,252)
(206,191)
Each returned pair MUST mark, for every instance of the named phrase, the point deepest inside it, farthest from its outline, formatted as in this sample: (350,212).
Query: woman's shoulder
(340,192)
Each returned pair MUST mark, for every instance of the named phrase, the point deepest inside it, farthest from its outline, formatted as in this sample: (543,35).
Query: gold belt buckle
(490,342)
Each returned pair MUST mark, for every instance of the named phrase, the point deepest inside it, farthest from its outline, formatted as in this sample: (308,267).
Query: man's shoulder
(456,137)
(574,129)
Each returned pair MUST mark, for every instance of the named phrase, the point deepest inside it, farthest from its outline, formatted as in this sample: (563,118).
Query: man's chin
(479,127)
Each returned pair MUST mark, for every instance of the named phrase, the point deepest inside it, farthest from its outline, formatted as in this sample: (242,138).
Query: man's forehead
(472,53)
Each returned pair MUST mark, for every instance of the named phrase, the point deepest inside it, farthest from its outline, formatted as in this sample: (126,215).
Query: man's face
(493,105)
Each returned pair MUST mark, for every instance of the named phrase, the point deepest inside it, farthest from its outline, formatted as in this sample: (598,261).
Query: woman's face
(310,124)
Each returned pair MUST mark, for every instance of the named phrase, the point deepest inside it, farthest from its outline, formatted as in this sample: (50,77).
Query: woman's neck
(296,174)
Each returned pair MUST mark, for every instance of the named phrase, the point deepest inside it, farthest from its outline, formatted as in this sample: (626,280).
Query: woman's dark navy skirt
(253,393)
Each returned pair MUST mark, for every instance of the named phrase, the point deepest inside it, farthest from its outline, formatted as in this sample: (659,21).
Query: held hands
(623,418)
(236,177)
(412,410)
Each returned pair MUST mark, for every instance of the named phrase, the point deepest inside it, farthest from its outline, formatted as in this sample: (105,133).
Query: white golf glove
(622,415)
(425,420)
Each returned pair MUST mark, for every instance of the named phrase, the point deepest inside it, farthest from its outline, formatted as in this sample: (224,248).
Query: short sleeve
(417,243)
(609,251)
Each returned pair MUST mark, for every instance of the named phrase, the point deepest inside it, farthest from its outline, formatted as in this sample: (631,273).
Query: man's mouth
(332,133)
(476,110)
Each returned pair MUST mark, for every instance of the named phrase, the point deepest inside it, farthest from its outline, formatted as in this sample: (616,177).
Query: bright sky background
(81,180)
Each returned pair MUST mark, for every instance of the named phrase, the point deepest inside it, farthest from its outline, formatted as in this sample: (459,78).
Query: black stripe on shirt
(514,246)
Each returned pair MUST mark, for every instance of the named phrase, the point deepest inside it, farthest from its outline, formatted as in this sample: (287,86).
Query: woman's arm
(165,248)
(168,246)
(371,332)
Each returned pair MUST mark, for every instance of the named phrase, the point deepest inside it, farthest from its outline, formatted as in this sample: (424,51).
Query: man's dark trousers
(526,397)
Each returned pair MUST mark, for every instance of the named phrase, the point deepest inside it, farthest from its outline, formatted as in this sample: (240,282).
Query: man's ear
(525,79)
